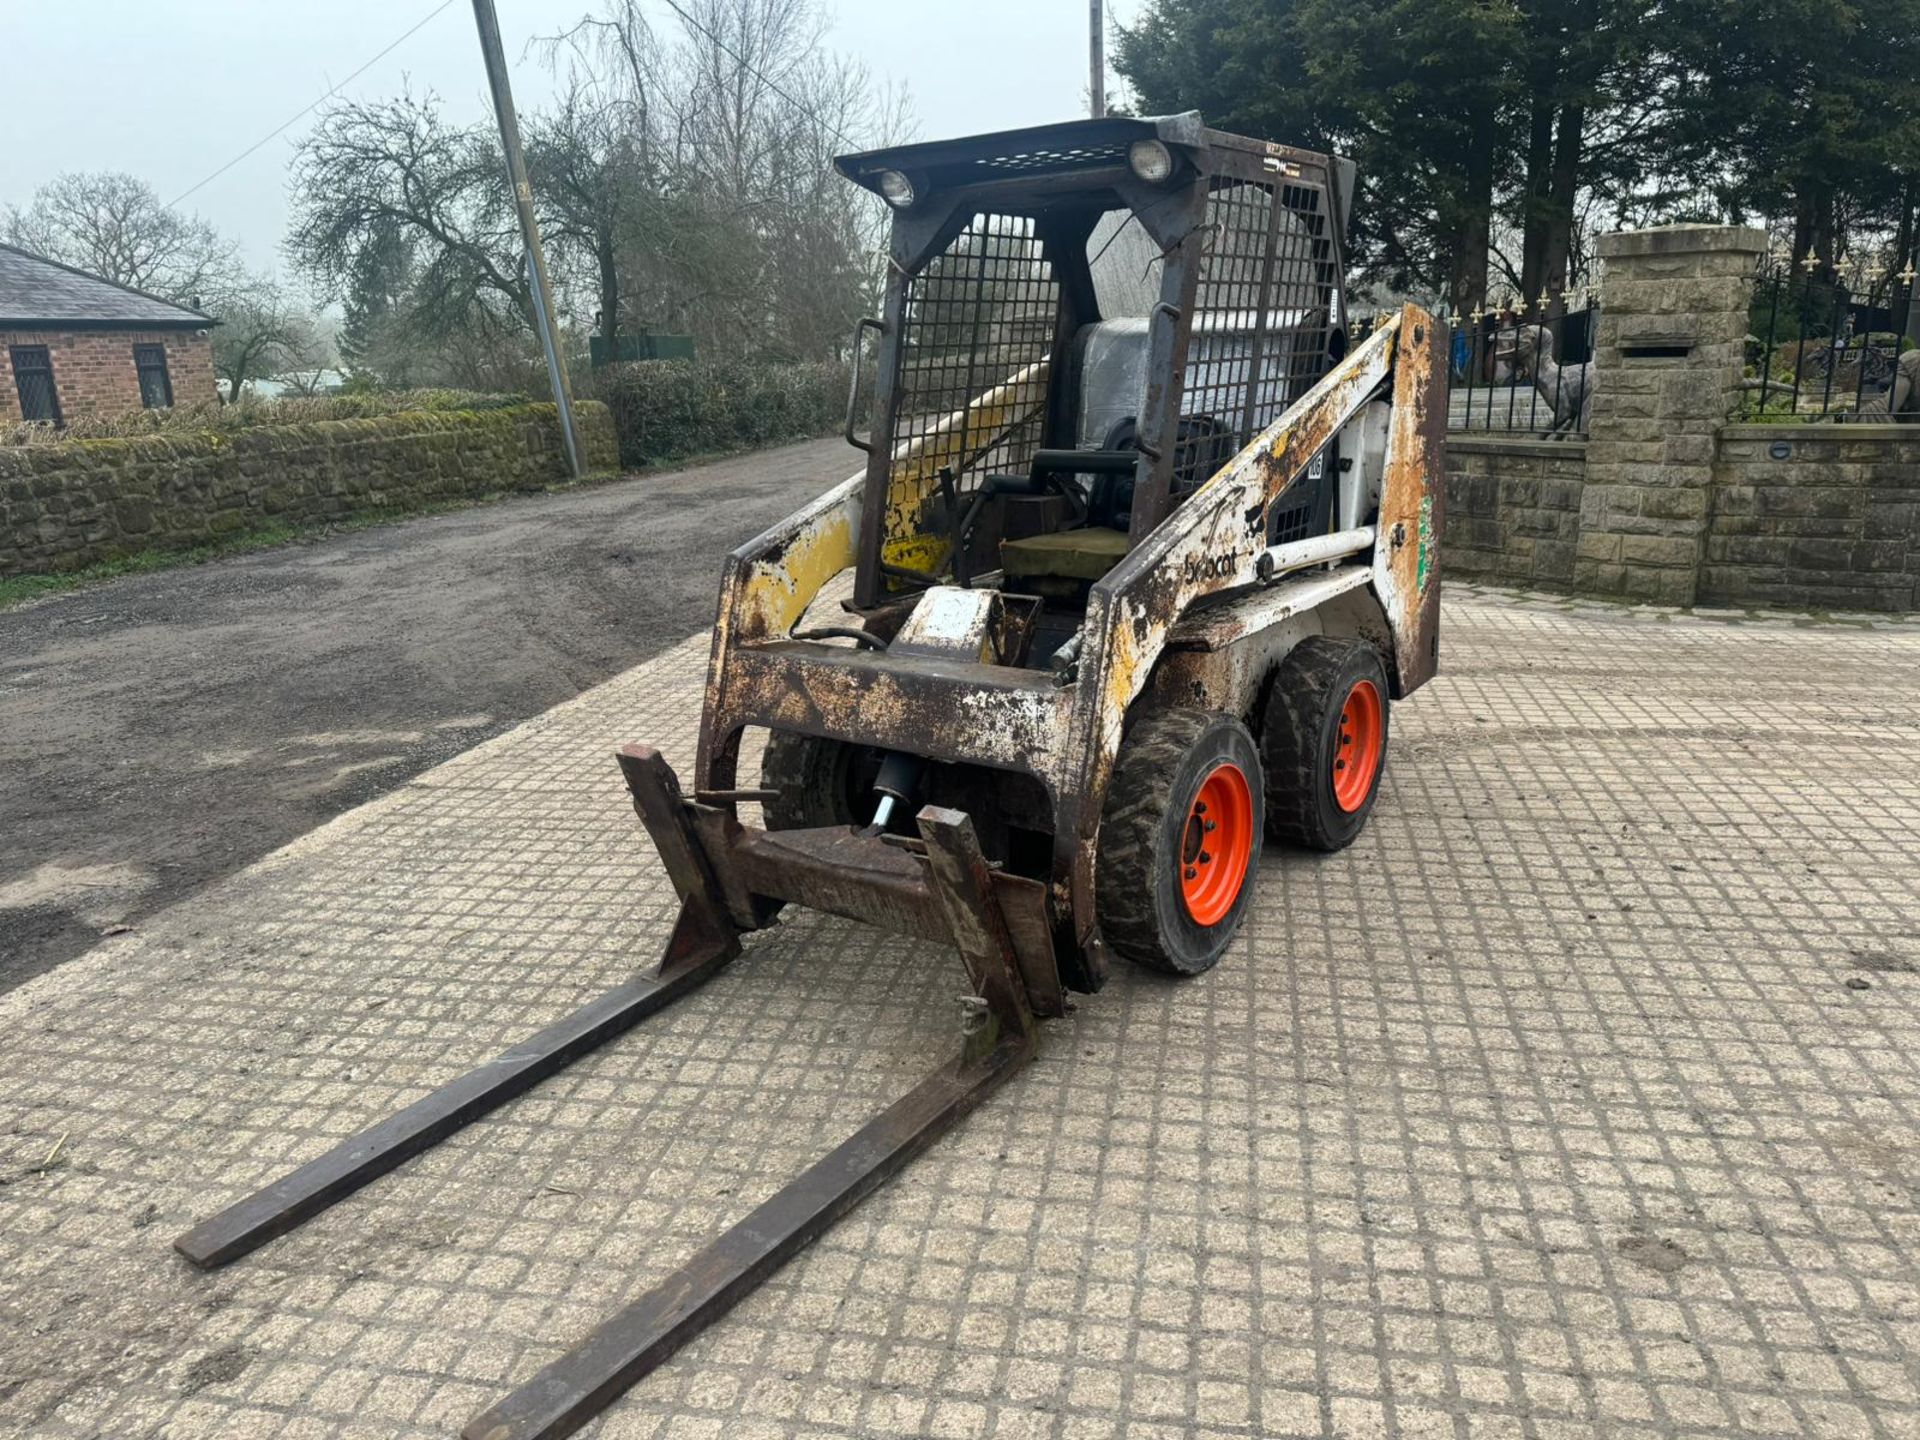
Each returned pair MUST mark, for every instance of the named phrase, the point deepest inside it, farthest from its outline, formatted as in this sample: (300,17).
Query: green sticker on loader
(1421,565)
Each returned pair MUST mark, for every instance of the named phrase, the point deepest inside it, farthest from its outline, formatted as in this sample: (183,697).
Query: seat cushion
(1066,554)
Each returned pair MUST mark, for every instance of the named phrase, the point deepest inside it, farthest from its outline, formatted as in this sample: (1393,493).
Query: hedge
(252,412)
(670,409)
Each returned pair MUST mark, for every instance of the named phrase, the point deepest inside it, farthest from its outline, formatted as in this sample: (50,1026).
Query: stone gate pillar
(1673,324)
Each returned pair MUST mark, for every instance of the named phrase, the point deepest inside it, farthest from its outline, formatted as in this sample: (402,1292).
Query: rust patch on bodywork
(766,586)
(945,710)
(770,581)
(1406,561)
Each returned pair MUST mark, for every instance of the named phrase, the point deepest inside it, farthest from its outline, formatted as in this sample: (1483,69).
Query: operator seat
(1084,552)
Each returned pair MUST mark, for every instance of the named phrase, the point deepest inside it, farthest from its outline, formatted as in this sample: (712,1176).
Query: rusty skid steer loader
(1139,557)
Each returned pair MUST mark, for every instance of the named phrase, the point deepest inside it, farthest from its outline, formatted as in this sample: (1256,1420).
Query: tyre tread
(802,768)
(1312,678)
(1138,797)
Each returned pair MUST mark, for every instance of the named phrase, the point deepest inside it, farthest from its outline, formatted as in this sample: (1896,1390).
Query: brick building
(72,344)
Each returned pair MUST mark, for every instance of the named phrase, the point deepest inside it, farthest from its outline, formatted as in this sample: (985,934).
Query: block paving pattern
(1581,1097)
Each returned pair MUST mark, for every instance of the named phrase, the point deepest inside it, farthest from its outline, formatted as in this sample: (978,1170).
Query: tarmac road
(161,731)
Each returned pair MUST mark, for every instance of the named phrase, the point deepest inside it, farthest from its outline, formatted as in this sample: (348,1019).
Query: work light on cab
(1150,160)
(895,188)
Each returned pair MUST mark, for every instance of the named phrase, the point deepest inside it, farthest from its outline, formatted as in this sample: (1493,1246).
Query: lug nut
(1191,872)
(1205,857)
(1212,825)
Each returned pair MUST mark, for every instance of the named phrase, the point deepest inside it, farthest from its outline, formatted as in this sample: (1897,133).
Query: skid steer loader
(1141,553)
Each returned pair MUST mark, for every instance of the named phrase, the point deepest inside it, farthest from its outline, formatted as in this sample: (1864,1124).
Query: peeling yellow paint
(774,593)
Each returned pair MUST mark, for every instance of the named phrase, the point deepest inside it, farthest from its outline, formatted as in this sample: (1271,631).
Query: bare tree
(684,184)
(263,331)
(115,226)
(590,170)
(729,223)
(373,175)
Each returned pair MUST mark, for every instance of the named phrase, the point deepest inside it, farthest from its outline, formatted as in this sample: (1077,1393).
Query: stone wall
(1513,509)
(93,370)
(80,502)
(1817,517)
(1668,502)
(1810,517)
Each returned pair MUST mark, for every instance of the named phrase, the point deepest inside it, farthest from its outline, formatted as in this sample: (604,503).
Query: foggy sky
(170,90)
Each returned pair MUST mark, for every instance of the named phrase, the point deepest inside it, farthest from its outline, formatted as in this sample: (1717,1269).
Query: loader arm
(770,581)
(1213,544)
(764,590)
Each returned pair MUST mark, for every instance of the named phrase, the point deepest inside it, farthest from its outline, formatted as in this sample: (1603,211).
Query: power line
(334,90)
(764,78)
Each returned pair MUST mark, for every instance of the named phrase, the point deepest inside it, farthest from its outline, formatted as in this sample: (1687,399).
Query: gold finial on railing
(1478,313)
(1906,275)
(1812,262)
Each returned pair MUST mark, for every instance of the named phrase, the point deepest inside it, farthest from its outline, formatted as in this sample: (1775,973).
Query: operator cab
(1083,323)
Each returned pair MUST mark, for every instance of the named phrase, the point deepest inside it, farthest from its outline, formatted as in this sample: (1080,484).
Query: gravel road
(163,730)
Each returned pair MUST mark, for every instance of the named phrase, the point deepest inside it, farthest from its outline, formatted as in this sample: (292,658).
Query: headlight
(1150,160)
(896,189)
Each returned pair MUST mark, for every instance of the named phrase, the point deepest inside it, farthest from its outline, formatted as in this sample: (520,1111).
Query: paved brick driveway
(1582,1097)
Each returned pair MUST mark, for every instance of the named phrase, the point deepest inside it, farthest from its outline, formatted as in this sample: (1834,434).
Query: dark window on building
(33,377)
(156,390)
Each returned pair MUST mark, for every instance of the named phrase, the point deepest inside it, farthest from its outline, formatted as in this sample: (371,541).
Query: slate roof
(45,294)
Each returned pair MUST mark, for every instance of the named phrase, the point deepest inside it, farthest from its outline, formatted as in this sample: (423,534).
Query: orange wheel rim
(1217,844)
(1356,751)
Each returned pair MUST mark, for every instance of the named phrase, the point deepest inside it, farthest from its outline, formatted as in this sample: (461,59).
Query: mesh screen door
(1263,315)
(977,332)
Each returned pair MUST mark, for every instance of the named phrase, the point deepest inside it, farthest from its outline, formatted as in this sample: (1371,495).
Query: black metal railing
(1829,348)
(1519,368)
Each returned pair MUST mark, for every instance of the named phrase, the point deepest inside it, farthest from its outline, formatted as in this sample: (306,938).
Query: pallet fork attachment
(955,882)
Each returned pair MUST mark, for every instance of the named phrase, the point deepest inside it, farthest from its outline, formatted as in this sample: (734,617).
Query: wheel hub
(1357,746)
(1217,844)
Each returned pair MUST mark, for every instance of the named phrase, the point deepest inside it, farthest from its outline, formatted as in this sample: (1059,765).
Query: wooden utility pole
(489,26)
(1096,60)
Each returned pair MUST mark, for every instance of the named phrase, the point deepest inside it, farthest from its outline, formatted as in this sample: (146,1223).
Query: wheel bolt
(1191,872)
(1212,825)
(1339,764)
(1199,807)
(1205,857)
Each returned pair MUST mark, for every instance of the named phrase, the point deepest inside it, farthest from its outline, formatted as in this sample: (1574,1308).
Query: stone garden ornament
(1567,389)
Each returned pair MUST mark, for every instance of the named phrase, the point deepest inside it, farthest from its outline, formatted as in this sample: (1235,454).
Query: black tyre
(1179,840)
(821,782)
(1323,738)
